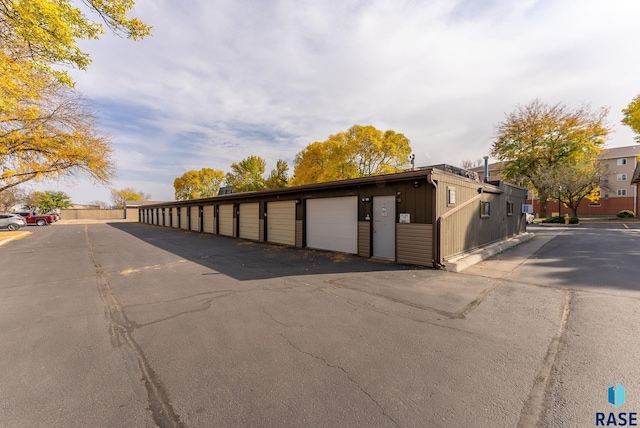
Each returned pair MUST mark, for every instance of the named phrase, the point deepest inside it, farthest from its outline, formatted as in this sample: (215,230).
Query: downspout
(436,221)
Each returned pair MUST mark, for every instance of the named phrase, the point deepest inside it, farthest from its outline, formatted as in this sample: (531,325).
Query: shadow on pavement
(246,260)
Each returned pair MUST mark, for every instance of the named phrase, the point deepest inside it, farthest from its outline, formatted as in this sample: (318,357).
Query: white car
(12,221)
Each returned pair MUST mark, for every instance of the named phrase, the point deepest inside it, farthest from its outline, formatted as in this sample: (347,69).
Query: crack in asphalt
(540,394)
(346,373)
(461,314)
(120,331)
(373,308)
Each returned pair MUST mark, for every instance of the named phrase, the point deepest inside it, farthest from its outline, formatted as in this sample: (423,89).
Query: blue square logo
(616,395)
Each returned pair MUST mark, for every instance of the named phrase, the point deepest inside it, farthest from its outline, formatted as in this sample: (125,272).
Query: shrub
(560,219)
(625,214)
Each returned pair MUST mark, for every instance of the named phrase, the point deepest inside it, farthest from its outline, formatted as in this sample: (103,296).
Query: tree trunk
(543,205)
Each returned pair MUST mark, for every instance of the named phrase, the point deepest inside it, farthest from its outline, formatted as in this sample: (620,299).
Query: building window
(622,161)
(622,192)
(594,204)
(622,177)
(509,208)
(451,195)
(485,209)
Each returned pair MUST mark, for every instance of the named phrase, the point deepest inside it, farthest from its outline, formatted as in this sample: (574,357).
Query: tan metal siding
(281,222)
(207,222)
(249,225)
(226,220)
(364,238)
(195,220)
(414,243)
(174,217)
(184,218)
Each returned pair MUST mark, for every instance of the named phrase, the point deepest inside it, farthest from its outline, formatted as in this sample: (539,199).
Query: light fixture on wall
(366,199)
(416,183)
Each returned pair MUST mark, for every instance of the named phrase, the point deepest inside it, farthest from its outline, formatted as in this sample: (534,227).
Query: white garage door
(332,224)
(249,221)
(281,222)
(225,220)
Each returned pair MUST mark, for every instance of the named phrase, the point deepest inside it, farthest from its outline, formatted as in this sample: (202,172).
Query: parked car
(55,216)
(12,221)
(40,220)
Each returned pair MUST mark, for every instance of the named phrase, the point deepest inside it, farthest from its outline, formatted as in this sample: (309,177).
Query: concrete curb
(461,263)
(13,238)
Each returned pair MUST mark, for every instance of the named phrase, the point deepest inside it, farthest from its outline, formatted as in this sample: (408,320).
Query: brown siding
(414,243)
(364,238)
(299,229)
(261,230)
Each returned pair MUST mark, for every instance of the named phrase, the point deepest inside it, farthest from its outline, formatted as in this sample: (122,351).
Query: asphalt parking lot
(134,325)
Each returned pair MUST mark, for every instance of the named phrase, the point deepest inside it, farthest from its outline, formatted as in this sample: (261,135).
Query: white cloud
(220,80)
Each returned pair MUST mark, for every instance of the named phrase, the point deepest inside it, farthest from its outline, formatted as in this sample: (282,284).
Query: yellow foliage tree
(538,138)
(631,116)
(46,131)
(120,196)
(198,184)
(361,151)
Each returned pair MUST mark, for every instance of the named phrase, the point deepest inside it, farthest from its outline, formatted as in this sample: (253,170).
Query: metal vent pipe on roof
(486,168)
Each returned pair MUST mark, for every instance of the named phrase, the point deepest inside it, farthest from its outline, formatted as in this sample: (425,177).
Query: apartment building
(618,190)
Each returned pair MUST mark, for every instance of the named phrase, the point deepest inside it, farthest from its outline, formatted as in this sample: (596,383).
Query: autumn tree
(100,204)
(193,184)
(361,151)
(120,196)
(571,183)
(470,164)
(49,133)
(631,116)
(50,200)
(46,129)
(10,198)
(247,175)
(538,138)
(278,177)
(45,34)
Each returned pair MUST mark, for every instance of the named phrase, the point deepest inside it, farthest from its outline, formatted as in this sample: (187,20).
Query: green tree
(538,138)
(361,151)
(49,201)
(198,184)
(119,197)
(279,176)
(631,116)
(247,175)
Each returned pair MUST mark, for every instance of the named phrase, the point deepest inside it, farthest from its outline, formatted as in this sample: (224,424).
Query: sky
(220,80)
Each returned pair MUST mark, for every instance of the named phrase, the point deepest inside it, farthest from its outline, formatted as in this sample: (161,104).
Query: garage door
(207,221)
(195,219)
(332,224)
(249,221)
(281,222)
(225,221)
(184,218)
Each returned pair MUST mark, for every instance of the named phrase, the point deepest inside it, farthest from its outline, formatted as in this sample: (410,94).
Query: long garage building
(424,217)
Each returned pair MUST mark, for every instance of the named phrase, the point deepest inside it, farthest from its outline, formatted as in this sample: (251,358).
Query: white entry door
(384,227)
